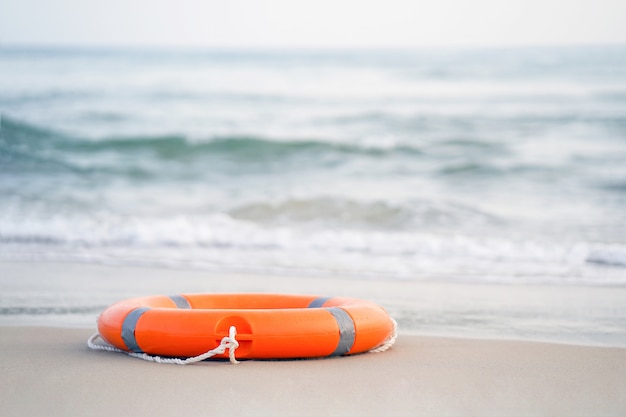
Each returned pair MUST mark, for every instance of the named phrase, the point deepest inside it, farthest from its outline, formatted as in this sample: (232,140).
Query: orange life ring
(268,325)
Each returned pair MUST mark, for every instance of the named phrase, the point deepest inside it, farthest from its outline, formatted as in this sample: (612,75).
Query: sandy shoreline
(55,294)
(50,371)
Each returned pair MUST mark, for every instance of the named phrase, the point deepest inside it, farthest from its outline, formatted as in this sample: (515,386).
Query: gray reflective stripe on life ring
(347,331)
(318,302)
(128,329)
(180,301)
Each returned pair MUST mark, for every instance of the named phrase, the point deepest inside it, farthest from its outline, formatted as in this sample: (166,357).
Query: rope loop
(228,342)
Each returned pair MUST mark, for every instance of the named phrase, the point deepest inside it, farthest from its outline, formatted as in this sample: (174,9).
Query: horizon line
(292,48)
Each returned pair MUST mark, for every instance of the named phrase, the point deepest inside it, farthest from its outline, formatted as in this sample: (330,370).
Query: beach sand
(50,371)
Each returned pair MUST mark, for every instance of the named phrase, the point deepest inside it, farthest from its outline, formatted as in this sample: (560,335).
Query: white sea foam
(608,254)
(223,242)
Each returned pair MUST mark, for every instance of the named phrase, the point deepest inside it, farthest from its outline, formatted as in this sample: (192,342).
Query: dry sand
(51,372)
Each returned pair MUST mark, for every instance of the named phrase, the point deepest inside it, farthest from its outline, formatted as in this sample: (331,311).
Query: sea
(472,167)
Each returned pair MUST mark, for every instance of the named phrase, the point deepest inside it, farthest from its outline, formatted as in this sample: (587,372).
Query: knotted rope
(228,342)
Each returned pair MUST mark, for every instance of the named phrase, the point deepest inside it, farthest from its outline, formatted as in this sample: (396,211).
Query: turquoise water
(503,166)
(475,164)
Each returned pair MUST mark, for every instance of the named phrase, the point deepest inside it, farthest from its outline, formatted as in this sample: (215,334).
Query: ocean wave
(16,136)
(347,213)
(326,211)
(13,130)
(257,222)
(223,242)
(255,230)
(614,255)
(49,97)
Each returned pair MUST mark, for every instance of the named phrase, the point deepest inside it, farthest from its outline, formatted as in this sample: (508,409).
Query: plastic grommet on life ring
(268,325)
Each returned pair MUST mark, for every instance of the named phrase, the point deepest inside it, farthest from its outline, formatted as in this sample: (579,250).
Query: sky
(314,24)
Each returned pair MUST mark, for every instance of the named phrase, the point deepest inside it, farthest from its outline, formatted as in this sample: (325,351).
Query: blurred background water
(493,165)
(480,164)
